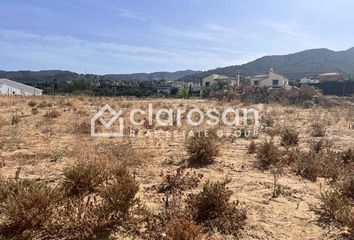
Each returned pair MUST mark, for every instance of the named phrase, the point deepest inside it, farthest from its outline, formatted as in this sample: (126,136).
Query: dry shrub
(57,155)
(85,217)
(252,147)
(34,210)
(156,224)
(181,181)
(45,104)
(337,205)
(34,111)
(82,128)
(268,120)
(65,103)
(319,146)
(291,156)
(308,165)
(84,177)
(334,206)
(202,148)
(289,138)
(83,112)
(332,166)
(77,218)
(3,122)
(183,229)
(32,103)
(213,210)
(318,130)
(52,114)
(348,156)
(350,224)
(15,119)
(346,187)
(27,204)
(312,165)
(119,192)
(268,155)
(123,153)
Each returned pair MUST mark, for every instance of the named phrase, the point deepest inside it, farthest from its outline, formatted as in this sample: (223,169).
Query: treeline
(99,88)
(65,82)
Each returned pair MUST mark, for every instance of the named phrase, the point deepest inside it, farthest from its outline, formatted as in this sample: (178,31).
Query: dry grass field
(276,193)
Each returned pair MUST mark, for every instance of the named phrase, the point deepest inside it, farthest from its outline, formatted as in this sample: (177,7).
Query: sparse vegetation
(212,209)
(15,119)
(44,104)
(318,129)
(312,165)
(319,146)
(52,114)
(34,111)
(82,128)
(32,103)
(252,147)
(202,149)
(27,204)
(337,204)
(84,177)
(119,192)
(268,155)
(180,181)
(183,229)
(289,138)
(140,188)
(76,218)
(348,156)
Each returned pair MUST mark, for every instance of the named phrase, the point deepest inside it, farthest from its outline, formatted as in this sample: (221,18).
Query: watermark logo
(110,123)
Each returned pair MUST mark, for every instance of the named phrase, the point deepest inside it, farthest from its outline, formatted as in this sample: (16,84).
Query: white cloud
(130,14)
(298,34)
(39,50)
(186,34)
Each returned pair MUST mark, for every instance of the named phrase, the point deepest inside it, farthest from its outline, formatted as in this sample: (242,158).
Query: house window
(275,82)
(207,84)
(256,83)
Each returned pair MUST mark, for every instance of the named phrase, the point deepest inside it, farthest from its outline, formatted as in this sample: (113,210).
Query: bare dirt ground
(40,148)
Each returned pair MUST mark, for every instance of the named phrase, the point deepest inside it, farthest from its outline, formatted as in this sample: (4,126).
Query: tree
(183,92)
(174,91)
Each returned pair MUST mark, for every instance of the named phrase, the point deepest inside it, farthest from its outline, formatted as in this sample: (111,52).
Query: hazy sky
(116,36)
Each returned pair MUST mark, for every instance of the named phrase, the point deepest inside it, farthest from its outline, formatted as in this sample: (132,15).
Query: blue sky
(116,36)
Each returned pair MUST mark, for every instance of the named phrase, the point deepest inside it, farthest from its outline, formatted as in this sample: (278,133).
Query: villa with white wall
(270,79)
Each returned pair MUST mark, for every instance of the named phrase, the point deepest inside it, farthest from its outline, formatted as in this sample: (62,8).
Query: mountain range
(302,64)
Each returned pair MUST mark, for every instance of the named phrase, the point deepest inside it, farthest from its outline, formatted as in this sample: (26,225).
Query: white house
(213,78)
(8,87)
(308,81)
(271,79)
(331,77)
(164,89)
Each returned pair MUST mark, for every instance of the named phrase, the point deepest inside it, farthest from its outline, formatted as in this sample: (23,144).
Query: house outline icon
(115,116)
